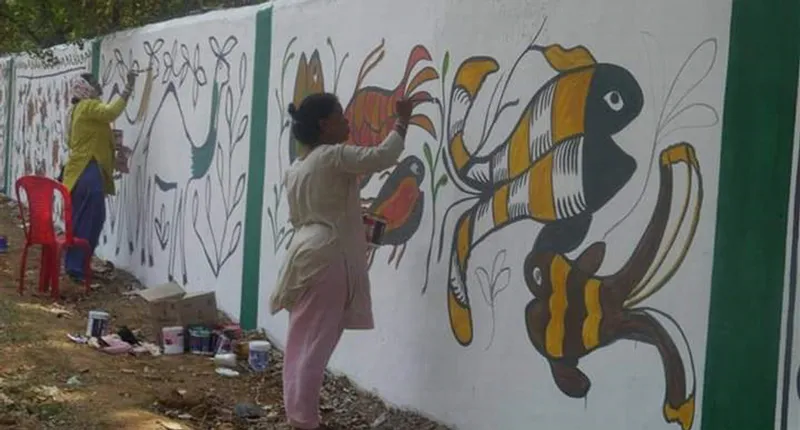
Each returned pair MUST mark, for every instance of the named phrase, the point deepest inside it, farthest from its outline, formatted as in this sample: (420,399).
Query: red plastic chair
(40,230)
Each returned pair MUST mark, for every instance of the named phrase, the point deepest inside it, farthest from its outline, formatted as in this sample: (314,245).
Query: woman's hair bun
(292,111)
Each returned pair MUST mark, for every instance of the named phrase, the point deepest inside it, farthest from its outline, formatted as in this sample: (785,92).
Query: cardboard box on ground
(170,305)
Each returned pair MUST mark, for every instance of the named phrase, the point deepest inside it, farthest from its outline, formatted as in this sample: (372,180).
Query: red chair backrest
(41,191)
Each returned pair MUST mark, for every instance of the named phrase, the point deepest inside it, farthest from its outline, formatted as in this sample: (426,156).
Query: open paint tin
(374,226)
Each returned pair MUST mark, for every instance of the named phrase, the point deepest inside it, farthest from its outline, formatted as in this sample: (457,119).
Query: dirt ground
(49,382)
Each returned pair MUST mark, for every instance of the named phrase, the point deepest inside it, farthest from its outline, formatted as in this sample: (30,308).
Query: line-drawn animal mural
(202,179)
(370,111)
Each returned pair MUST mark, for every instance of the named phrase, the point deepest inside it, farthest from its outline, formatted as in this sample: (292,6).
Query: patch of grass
(14,329)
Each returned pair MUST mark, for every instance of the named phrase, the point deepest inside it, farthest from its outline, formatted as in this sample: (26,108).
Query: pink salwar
(316,323)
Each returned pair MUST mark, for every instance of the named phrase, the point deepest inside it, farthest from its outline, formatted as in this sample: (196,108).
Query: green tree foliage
(34,25)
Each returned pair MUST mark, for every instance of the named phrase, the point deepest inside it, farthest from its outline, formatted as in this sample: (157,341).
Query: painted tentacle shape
(558,166)
(575,311)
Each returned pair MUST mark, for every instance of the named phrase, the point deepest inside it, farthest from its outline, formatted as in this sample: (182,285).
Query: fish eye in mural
(152,202)
(370,112)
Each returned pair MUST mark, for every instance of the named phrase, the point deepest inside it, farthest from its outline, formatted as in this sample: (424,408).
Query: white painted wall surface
(500,381)
(179,213)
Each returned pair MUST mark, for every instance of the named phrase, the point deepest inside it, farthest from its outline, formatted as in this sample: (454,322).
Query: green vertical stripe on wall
(741,369)
(9,138)
(96,44)
(255,173)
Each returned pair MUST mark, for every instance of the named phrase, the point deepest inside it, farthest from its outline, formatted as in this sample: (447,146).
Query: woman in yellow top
(89,171)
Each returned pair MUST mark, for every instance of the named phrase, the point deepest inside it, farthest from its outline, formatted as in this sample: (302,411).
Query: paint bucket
(3,244)
(225,360)
(122,153)
(97,324)
(258,357)
(374,226)
(173,340)
(118,138)
(200,342)
(223,344)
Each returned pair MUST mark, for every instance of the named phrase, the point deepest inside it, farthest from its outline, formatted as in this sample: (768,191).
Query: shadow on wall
(558,166)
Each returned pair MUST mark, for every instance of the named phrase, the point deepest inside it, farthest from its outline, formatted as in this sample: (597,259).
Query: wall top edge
(200,18)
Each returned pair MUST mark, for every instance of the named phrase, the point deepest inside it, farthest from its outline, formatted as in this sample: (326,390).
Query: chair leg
(55,272)
(44,269)
(22,268)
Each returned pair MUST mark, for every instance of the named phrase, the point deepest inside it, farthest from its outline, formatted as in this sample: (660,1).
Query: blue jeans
(88,215)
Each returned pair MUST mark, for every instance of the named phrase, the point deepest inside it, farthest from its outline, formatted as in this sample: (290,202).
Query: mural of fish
(558,166)
(575,311)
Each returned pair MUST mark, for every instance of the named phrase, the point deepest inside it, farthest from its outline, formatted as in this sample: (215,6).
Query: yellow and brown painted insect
(558,166)
(575,311)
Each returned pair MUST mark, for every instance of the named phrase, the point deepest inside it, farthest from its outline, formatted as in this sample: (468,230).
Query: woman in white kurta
(324,282)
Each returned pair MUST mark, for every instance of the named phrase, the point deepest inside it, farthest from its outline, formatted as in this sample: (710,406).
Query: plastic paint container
(173,340)
(223,345)
(225,360)
(258,357)
(3,244)
(97,324)
(200,342)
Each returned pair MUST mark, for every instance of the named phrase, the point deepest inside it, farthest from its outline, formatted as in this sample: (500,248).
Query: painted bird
(371,109)
(400,201)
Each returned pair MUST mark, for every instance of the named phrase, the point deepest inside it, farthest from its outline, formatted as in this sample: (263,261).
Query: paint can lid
(259,345)
(174,329)
(98,315)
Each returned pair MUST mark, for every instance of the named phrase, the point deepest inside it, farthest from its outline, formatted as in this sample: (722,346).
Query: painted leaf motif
(242,72)
(242,128)
(212,41)
(442,181)
(230,43)
(236,237)
(185,53)
(426,150)
(238,191)
(228,105)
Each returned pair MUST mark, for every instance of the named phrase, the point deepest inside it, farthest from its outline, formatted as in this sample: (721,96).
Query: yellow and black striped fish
(558,165)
